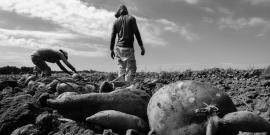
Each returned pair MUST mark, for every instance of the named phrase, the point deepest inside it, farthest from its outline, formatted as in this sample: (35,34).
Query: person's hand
(143,51)
(75,71)
(77,76)
(112,54)
(70,73)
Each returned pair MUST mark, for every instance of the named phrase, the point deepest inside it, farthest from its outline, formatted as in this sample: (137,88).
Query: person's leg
(46,70)
(122,68)
(36,71)
(131,69)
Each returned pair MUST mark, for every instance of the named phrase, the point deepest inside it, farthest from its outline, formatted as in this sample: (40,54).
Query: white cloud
(153,30)
(255,21)
(225,11)
(182,30)
(192,1)
(39,34)
(188,35)
(208,10)
(70,14)
(85,20)
(168,25)
(187,1)
(34,40)
(256,2)
(241,23)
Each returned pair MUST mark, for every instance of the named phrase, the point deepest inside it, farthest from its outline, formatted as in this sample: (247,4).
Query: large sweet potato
(78,107)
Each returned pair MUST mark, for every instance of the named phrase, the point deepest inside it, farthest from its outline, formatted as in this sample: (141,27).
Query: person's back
(48,55)
(125,27)
(125,31)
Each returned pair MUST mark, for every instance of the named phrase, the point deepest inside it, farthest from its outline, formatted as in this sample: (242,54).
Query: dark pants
(41,64)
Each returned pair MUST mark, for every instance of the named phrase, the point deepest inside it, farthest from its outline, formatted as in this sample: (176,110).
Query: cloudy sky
(177,34)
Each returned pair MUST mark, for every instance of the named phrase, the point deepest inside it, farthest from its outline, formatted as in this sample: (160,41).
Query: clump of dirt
(17,111)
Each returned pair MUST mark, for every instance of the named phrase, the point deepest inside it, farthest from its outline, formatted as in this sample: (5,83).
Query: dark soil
(22,114)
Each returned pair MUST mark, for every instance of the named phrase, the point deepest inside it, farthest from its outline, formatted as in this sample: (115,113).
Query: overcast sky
(177,34)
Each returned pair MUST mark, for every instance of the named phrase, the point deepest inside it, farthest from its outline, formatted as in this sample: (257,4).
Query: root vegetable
(78,107)
(118,121)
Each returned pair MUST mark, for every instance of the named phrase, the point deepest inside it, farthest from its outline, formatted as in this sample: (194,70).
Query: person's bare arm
(62,67)
(68,64)
(137,32)
(138,35)
(113,36)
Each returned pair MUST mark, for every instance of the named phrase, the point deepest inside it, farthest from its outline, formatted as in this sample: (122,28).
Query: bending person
(41,56)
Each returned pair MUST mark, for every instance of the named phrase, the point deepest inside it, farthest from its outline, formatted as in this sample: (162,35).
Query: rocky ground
(22,114)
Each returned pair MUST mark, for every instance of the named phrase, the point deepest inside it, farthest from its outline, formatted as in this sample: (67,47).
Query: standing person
(125,27)
(41,56)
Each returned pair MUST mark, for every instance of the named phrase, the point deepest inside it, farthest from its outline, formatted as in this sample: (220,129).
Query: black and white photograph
(134,67)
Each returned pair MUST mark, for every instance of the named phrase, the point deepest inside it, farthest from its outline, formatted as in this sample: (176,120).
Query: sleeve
(136,32)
